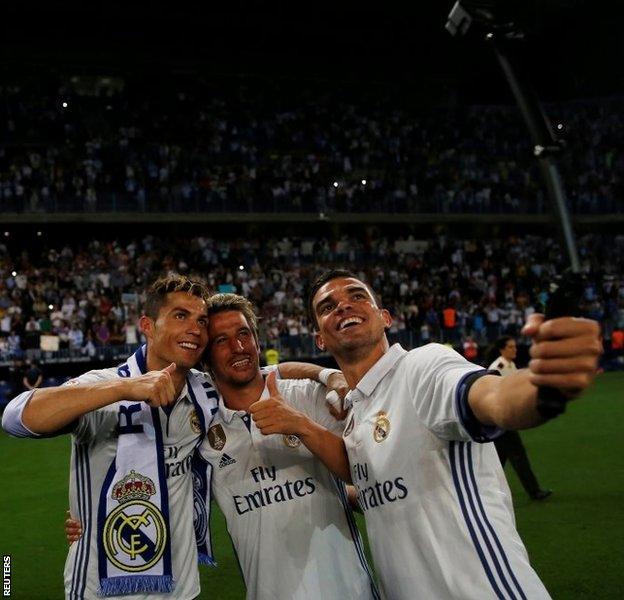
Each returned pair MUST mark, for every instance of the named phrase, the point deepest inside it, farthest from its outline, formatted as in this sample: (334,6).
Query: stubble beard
(353,351)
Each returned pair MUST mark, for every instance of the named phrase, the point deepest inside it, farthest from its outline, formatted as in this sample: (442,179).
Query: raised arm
(564,355)
(51,409)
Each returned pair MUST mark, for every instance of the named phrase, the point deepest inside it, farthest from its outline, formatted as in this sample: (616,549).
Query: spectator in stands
(33,378)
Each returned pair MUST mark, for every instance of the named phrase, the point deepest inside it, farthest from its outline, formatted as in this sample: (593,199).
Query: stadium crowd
(246,148)
(459,291)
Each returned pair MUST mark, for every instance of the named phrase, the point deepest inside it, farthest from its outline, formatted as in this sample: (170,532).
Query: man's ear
(318,338)
(387,318)
(146,325)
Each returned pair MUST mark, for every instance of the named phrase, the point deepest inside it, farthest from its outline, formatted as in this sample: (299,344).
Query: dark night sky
(575,49)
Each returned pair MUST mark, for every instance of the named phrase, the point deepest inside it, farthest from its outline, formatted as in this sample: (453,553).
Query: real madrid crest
(292,441)
(216,437)
(136,528)
(381,430)
(194,419)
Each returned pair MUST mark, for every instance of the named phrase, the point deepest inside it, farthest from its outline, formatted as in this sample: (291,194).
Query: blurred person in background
(509,445)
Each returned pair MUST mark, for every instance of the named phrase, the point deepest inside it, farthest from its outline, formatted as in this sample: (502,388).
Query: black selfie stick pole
(504,37)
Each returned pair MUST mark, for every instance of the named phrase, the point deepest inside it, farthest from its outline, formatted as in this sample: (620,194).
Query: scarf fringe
(135,584)
(204,559)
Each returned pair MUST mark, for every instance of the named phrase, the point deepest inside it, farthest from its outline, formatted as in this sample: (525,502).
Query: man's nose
(236,345)
(193,327)
(343,305)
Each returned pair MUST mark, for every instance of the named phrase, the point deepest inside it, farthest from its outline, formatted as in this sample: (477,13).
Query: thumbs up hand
(155,388)
(272,415)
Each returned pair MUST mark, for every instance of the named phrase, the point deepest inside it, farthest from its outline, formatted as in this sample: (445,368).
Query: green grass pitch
(575,538)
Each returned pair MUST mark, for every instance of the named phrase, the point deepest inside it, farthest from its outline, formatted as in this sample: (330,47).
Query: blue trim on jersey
(460,457)
(102,517)
(87,525)
(75,467)
(162,485)
(471,500)
(473,535)
(489,525)
(246,419)
(141,355)
(211,559)
(79,570)
(355,534)
(477,430)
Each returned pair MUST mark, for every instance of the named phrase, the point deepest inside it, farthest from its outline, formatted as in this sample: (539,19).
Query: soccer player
(509,444)
(437,507)
(288,517)
(134,429)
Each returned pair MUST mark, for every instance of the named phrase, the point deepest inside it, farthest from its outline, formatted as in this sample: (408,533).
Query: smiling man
(437,507)
(134,431)
(288,517)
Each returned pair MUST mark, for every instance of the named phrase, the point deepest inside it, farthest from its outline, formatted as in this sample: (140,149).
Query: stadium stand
(240,148)
(78,300)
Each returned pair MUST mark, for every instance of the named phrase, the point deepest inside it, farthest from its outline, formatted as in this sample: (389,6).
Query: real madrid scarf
(134,542)
(205,398)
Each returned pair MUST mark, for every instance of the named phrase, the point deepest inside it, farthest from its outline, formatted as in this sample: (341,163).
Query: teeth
(189,345)
(350,321)
(241,363)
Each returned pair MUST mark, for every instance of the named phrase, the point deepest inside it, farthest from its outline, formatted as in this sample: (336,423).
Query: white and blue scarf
(134,541)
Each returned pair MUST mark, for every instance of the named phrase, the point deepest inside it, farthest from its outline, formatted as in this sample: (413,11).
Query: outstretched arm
(564,355)
(50,409)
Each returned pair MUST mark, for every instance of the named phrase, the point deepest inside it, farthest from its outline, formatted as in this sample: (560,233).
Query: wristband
(325,374)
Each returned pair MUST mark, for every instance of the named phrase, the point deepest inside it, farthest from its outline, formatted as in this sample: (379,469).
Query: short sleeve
(12,417)
(439,380)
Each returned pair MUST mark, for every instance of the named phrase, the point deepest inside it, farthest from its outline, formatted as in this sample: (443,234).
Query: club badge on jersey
(381,430)
(216,437)
(194,421)
(136,529)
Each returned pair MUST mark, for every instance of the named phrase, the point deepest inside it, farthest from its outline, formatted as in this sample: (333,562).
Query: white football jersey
(288,518)
(94,447)
(438,509)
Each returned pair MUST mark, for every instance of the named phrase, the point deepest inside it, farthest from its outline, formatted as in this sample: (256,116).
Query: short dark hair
(174,282)
(501,342)
(321,280)
(218,303)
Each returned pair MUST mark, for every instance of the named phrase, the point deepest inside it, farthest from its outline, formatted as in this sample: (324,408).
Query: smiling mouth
(188,345)
(349,322)
(241,363)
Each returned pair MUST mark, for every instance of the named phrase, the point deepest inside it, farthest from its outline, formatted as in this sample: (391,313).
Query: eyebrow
(354,287)
(187,311)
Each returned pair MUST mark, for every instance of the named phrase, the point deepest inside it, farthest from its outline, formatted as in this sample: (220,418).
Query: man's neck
(356,364)
(241,397)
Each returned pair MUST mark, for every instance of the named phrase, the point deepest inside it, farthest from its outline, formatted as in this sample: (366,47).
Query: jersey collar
(375,374)
(227,414)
